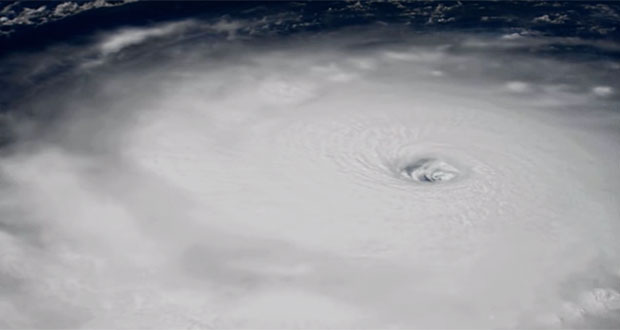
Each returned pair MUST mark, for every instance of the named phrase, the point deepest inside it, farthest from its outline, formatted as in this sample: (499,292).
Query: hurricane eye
(429,170)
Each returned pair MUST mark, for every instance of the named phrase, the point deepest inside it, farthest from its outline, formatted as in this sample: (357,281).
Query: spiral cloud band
(188,174)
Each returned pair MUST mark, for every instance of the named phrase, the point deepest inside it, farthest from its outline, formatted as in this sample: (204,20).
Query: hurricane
(212,173)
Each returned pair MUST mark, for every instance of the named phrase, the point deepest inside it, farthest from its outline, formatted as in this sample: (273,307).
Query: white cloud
(512,36)
(286,92)
(425,56)
(437,73)
(552,19)
(217,189)
(133,36)
(335,73)
(47,13)
(603,90)
(518,86)
(65,8)
(364,63)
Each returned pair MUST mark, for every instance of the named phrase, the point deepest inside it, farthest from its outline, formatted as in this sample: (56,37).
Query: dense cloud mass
(199,173)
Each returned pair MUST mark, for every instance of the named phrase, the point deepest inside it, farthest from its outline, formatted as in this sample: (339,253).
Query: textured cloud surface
(365,178)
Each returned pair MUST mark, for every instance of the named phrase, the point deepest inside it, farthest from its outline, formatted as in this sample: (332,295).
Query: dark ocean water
(583,19)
